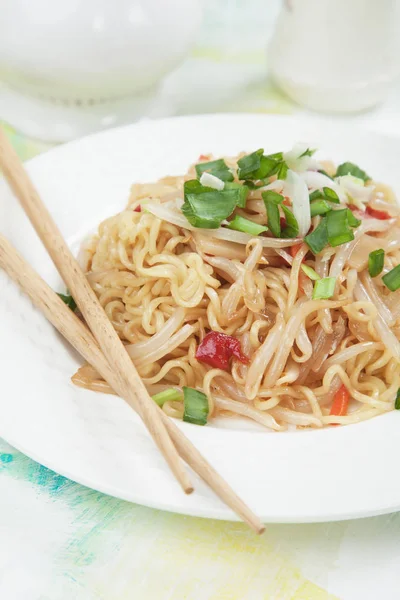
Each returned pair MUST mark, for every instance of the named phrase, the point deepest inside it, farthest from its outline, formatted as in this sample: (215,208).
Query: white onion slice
(316,181)
(296,161)
(168,212)
(210,180)
(296,189)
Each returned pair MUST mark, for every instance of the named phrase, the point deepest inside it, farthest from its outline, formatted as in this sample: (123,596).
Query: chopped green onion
(397,401)
(351,219)
(276,156)
(248,165)
(326,194)
(195,406)
(257,166)
(317,239)
(241,224)
(271,201)
(338,228)
(223,174)
(349,168)
(208,209)
(316,195)
(274,218)
(218,168)
(167,395)
(68,300)
(392,279)
(331,195)
(376,260)
(292,227)
(283,169)
(324,288)
(319,207)
(243,192)
(309,271)
(193,186)
(271,196)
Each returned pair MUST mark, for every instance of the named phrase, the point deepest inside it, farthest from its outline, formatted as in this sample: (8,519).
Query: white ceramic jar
(88,56)
(337,56)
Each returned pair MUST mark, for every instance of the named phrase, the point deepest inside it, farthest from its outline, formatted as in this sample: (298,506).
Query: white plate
(96,440)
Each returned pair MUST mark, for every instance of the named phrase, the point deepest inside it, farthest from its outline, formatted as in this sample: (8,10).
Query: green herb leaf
(209,209)
(292,227)
(309,271)
(272,200)
(224,175)
(283,169)
(397,401)
(324,288)
(317,240)
(250,164)
(351,219)
(325,194)
(331,195)
(319,207)
(316,195)
(392,279)
(243,192)
(257,166)
(271,196)
(193,186)
(277,156)
(274,218)
(218,168)
(68,300)
(349,168)
(241,224)
(195,406)
(376,261)
(167,395)
(338,228)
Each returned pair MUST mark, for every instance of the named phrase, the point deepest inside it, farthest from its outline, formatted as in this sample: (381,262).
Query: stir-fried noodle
(314,335)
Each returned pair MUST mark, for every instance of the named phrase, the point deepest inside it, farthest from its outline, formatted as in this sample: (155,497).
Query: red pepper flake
(340,402)
(294,250)
(217,349)
(204,157)
(377,214)
(138,208)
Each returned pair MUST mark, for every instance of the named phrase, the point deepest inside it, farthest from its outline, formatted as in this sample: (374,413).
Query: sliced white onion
(168,212)
(276,186)
(296,161)
(210,180)
(316,181)
(296,189)
(243,238)
(357,193)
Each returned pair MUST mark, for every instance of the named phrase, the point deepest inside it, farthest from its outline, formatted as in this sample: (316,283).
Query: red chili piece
(377,214)
(138,208)
(217,349)
(204,157)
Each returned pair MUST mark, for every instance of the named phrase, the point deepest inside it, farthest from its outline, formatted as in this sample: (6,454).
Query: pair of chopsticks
(100,344)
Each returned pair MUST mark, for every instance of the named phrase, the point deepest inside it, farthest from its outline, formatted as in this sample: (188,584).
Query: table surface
(59,540)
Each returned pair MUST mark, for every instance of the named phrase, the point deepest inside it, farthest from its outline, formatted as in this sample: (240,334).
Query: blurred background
(68,69)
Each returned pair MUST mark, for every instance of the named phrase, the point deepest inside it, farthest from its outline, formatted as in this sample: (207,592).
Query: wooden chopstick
(82,340)
(130,385)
